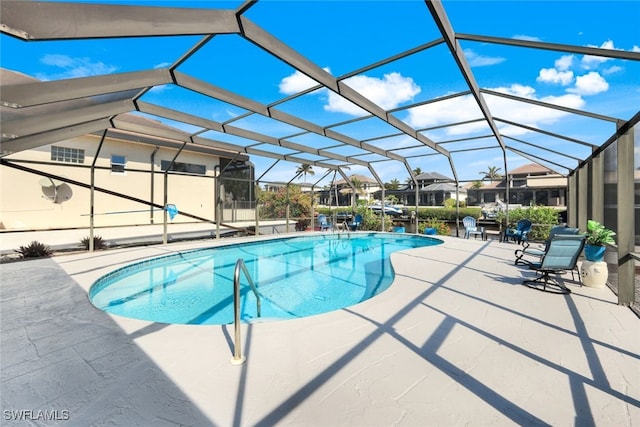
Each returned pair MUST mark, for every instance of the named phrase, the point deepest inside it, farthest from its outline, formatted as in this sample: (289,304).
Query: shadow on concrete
(61,354)
(579,384)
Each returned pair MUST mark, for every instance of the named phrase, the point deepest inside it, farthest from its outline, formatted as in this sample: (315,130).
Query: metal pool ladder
(238,358)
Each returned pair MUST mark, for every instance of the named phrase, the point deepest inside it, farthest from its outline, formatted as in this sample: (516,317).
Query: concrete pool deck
(456,340)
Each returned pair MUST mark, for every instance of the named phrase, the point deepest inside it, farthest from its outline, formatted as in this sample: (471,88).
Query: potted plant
(302,224)
(398,227)
(597,237)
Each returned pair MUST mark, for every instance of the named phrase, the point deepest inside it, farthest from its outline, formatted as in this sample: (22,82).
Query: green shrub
(444,214)
(274,203)
(542,217)
(451,203)
(370,221)
(35,249)
(442,228)
(98,242)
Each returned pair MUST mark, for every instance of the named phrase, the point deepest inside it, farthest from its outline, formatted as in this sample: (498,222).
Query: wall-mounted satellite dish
(55,190)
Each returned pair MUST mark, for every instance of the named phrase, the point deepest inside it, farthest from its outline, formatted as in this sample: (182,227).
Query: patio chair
(357,220)
(323,223)
(470,228)
(562,255)
(518,234)
(538,252)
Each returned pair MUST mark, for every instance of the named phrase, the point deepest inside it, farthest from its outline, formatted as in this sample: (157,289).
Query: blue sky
(341,37)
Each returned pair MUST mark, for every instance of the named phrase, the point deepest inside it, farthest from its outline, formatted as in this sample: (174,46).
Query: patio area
(456,340)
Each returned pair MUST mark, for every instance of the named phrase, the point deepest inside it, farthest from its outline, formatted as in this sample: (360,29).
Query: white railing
(238,358)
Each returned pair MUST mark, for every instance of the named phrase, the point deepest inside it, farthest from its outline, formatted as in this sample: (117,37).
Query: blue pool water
(295,277)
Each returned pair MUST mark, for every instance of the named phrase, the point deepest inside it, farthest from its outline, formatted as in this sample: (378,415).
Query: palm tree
(492,174)
(416,172)
(394,184)
(357,188)
(305,169)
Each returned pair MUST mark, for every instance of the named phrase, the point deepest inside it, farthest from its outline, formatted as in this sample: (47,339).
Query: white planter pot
(594,273)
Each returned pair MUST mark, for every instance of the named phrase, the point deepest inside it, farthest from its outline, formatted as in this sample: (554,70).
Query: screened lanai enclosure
(375,88)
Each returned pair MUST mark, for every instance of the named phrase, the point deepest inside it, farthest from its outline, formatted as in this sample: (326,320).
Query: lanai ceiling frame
(101,83)
(232,130)
(584,113)
(269,43)
(550,150)
(359,71)
(497,119)
(553,134)
(594,51)
(59,121)
(89,21)
(221,94)
(537,159)
(442,22)
(552,106)
(178,135)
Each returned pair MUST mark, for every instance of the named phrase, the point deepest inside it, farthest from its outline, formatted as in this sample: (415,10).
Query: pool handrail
(345,227)
(238,358)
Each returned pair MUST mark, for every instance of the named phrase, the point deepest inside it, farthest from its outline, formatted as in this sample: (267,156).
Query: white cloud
(475,128)
(527,38)
(74,67)
(568,100)
(552,75)
(465,108)
(529,114)
(338,104)
(297,82)
(61,61)
(635,49)
(589,84)
(612,70)
(452,110)
(564,62)
(590,62)
(388,92)
(518,90)
(476,60)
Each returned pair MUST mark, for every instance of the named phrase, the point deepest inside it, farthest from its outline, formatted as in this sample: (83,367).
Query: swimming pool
(295,277)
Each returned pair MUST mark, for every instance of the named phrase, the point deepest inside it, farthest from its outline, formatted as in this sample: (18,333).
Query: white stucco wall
(23,204)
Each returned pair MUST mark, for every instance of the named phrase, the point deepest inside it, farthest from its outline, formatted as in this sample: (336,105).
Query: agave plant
(98,242)
(598,234)
(34,249)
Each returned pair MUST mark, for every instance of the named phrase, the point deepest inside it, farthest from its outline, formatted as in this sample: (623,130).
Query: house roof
(448,187)
(487,185)
(443,186)
(529,169)
(433,176)
(554,180)
(360,178)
